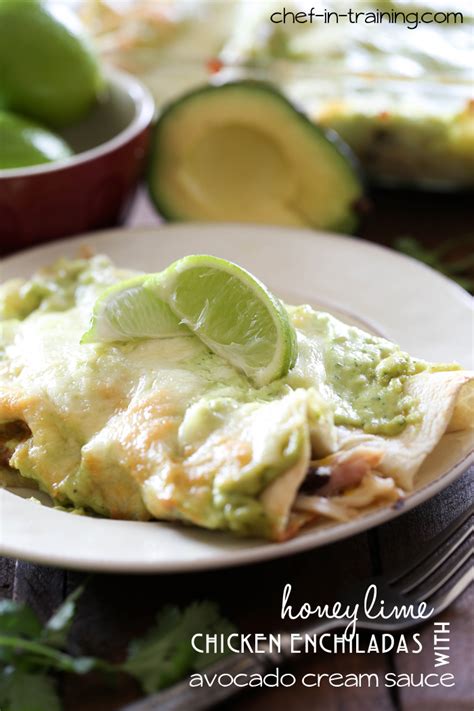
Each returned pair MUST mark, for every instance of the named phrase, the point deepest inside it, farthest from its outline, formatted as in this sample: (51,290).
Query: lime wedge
(232,312)
(129,310)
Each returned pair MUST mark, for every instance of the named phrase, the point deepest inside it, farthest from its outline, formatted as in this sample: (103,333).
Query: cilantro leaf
(57,628)
(165,655)
(16,620)
(28,647)
(20,691)
(29,652)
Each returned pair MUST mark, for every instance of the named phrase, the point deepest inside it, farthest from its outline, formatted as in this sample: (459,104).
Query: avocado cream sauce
(59,287)
(363,375)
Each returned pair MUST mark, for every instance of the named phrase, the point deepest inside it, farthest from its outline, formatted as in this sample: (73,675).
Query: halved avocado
(241,152)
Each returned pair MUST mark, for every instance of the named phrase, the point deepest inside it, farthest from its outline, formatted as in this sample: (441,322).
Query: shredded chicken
(341,471)
(350,482)
(371,491)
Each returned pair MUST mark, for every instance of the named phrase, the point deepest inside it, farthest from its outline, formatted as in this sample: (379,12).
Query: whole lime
(24,142)
(48,69)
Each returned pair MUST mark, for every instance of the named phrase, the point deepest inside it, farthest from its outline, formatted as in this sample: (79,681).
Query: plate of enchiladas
(202,396)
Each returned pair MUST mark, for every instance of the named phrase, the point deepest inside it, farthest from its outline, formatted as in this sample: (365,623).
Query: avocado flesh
(241,152)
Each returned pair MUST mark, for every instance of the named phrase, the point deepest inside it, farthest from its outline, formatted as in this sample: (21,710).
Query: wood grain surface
(116,608)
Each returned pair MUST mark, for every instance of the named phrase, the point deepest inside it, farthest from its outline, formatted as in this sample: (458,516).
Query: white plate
(425,313)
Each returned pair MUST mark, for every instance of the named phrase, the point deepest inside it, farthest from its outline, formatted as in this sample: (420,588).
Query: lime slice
(129,310)
(232,312)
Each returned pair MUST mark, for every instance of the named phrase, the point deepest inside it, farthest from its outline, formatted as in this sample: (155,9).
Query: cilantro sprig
(165,654)
(32,654)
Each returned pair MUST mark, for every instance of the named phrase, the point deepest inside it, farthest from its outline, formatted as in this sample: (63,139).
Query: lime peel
(232,312)
(128,310)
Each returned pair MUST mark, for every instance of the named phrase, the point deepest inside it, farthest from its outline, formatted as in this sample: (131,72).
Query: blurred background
(399,94)
(401,98)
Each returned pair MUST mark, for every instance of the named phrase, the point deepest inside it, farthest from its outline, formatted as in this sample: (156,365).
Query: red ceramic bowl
(93,188)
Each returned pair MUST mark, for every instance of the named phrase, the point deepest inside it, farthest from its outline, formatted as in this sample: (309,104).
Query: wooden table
(115,608)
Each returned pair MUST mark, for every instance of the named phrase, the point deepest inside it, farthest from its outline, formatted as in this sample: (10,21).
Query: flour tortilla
(447,403)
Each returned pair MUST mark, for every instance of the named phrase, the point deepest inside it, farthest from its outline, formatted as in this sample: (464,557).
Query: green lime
(48,69)
(24,143)
(128,310)
(232,312)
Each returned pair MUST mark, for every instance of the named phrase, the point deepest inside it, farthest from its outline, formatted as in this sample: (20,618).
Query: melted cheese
(160,428)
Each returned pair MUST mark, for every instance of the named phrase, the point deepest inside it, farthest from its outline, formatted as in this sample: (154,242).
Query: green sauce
(367,376)
(363,375)
(60,287)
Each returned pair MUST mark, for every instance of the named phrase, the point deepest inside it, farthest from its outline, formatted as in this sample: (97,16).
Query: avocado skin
(348,223)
